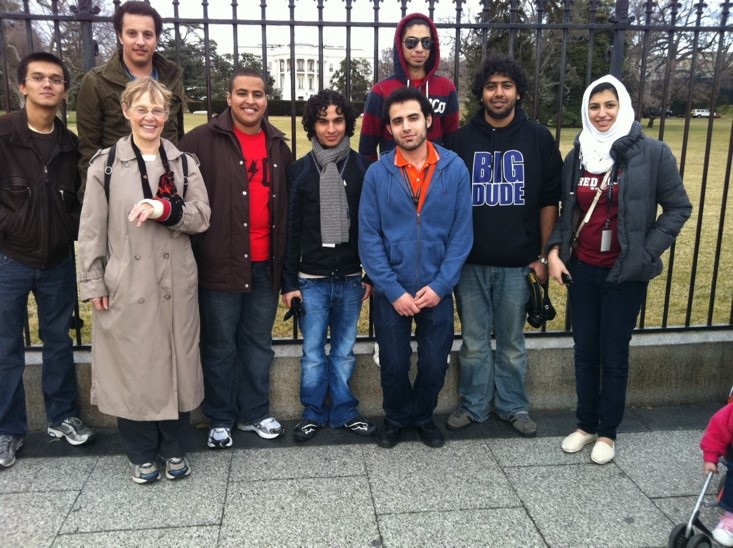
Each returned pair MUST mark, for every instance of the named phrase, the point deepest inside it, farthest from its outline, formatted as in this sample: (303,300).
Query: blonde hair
(140,86)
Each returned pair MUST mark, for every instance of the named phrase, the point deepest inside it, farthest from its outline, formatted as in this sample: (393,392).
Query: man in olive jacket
(99,119)
(244,160)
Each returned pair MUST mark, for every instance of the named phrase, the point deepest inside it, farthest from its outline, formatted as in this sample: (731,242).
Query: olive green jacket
(99,119)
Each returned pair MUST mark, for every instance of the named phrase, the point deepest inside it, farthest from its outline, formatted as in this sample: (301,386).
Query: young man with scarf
(322,266)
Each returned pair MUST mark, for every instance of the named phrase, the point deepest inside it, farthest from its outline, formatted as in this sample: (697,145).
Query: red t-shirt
(254,150)
(604,217)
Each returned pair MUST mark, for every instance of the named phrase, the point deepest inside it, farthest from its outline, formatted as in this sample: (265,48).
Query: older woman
(607,246)
(143,200)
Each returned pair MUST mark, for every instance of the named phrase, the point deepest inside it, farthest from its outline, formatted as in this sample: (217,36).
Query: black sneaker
(305,430)
(388,435)
(361,426)
(430,435)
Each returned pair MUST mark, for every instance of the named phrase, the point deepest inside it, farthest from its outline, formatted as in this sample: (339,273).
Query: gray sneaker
(268,428)
(73,429)
(145,473)
(521,422)
(177,468)
(9,445)
(459,420)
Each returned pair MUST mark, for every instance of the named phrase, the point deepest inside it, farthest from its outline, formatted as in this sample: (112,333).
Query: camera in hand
(539,308)
(296,309)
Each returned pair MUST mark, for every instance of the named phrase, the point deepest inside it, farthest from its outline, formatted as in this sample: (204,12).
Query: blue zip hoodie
(403,250)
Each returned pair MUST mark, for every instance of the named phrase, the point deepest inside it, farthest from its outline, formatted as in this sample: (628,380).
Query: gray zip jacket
(648,177)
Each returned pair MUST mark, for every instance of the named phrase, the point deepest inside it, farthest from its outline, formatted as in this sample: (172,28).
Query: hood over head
(400,66)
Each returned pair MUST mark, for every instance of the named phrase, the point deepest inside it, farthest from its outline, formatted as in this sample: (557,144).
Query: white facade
(306,73)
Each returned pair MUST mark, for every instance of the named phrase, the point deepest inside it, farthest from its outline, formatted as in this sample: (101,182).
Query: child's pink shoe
(723,533)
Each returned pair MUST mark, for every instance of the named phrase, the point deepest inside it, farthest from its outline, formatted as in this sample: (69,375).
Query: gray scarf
(334,207)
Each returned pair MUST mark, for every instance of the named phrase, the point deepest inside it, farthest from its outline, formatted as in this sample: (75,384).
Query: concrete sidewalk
(486,487)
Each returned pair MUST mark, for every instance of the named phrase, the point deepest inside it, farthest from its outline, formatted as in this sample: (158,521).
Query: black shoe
(430,435)
(305,430)
(361,427)
(388,435)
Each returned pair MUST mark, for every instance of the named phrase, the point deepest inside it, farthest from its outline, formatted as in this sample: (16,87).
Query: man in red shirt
(244,159)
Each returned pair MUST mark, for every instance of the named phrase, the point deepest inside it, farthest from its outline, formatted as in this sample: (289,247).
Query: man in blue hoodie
(515,168)
(414,235)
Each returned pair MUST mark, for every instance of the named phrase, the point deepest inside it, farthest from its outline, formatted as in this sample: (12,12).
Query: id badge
(606,238)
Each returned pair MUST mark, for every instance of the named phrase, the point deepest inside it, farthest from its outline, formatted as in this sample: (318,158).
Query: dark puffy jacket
(648,177)
(223,251)
(305,252)
(39,209)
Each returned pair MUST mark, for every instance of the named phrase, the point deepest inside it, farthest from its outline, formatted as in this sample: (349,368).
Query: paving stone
(110,500)
(64,474)
(679,510)
(662,464)
(33,519)
(507,527)
(307,512)
(181,537)
(297,463)
(589,505)
(412,477)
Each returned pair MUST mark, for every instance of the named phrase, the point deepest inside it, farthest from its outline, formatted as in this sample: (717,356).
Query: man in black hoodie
(515,168)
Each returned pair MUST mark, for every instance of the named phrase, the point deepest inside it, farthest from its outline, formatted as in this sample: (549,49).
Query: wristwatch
(542,259)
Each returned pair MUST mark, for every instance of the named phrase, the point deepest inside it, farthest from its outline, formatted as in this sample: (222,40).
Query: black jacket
(649,178)
(304,252)
(39,209)
(515,172)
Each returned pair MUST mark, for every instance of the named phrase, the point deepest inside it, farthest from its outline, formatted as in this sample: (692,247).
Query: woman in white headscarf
(606,247)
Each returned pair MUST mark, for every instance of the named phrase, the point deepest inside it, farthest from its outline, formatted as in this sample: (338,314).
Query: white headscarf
(595,146)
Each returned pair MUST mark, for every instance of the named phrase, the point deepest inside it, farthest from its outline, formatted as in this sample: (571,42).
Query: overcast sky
(306,10)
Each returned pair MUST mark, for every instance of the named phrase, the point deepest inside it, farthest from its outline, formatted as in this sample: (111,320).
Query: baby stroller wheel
(678,537)
(699,541)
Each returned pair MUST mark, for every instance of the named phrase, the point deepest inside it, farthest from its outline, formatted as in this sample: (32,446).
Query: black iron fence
(675,59)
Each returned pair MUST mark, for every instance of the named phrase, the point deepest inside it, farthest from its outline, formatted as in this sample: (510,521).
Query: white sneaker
(220,438)
(602,452)
(576,441)
(723,533)
(267,428)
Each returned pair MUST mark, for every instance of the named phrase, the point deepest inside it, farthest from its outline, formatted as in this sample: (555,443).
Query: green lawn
(714,210)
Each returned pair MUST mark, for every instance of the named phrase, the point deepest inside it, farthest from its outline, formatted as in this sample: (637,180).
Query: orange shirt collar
(433,157)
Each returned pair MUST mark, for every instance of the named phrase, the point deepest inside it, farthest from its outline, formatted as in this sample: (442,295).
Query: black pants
(145,441)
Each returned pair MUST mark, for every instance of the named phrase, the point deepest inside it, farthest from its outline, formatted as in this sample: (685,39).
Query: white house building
(280,67)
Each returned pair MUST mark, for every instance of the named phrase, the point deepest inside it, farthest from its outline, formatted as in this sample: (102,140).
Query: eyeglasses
(412,42)
(156,112)
(41,78)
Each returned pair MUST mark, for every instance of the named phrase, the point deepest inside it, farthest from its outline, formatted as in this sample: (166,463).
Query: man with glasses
(39,220)
(416,60)
(99,117)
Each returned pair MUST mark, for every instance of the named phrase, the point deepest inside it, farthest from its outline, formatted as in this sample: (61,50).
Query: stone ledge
(666,369)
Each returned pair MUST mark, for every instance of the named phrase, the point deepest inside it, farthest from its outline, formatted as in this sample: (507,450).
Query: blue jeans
(405,404)
(333,303)
(603,316)
(236,350)
(55,292)
(491,297)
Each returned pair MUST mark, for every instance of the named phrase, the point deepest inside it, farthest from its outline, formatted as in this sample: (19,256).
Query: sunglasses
(411,43)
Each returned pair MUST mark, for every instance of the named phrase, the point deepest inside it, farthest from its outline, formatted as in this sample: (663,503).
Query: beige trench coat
(145,348)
